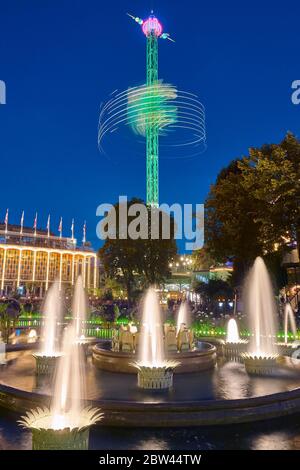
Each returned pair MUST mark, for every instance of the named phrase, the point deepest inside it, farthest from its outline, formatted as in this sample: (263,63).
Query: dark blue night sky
(61,58)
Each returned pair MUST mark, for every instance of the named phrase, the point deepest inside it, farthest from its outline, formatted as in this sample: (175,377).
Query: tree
(230,229)
(273,261)
(202,260)
(272,176)
(214,289)
(127,260)
(254,207)
(113,286)
(155,254)
(9,313)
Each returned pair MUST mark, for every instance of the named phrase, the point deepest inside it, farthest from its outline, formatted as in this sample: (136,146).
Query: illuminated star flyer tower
(153,30)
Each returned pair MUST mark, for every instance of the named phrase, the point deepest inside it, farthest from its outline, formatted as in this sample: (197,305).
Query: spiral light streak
(161,106)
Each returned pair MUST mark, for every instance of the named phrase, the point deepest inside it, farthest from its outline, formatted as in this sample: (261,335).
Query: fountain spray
(260,307)
(154,371)
(48,356)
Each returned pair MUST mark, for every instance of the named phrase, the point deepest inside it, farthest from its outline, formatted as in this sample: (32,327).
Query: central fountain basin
(202,358)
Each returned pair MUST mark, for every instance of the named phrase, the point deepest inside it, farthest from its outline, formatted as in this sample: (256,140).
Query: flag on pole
(35,224)
(48,226)
(6,220)
(60,227)
(72,229)
(22,222)
(84,232)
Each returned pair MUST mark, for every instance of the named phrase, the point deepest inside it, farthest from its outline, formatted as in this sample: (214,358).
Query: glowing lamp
(152,26)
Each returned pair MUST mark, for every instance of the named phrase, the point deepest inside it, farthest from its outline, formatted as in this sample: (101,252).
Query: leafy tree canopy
(146,259)
(254,207)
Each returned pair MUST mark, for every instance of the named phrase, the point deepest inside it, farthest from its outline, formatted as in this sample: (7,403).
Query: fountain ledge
(190,361)
(174,413)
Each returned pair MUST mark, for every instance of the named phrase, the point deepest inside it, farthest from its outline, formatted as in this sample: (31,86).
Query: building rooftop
(38,238)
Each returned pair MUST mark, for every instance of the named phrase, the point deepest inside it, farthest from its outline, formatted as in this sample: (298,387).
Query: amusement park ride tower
(153,30)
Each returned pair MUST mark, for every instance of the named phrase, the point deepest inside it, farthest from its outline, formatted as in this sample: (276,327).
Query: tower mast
(152,30)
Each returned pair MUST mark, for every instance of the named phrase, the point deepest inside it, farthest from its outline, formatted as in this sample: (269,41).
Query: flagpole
(22,222)
(60,228)
(6,220)
(84,233)
(48,226)
(72,229)
(35,224)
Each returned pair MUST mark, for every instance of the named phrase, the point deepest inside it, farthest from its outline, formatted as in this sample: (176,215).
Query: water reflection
(283,434)
(11,436)
(228,380)
(232,381)
(273,440)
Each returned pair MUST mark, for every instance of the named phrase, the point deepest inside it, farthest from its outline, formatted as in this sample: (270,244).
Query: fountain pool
(222,395)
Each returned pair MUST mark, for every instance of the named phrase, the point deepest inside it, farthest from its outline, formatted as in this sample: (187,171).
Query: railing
(29,323)
(41,241)
(99,332)
(92,330)
(105,331)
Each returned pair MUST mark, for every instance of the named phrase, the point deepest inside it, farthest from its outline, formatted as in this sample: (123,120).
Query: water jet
(262,354)
(48,356)
(234,345)
(154,371)
(65,425)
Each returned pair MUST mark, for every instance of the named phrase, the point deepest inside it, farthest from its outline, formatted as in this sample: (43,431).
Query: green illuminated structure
(151,128)
(152,30)
(155,111)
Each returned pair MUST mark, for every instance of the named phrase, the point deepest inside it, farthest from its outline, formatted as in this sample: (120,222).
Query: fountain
(233,335)
(79,308)
(2,351)
(170,342)
(287,347)
(65,425)
(233,345)
(289,315)
(154,371)
(46,359)
(260,307)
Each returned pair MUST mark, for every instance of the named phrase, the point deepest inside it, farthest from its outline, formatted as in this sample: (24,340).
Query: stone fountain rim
(240,341)
(250,401)
(171,354)
(127,413)
(135,413)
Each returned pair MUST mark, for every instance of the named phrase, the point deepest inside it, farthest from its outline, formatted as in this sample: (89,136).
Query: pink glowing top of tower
(152,25)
